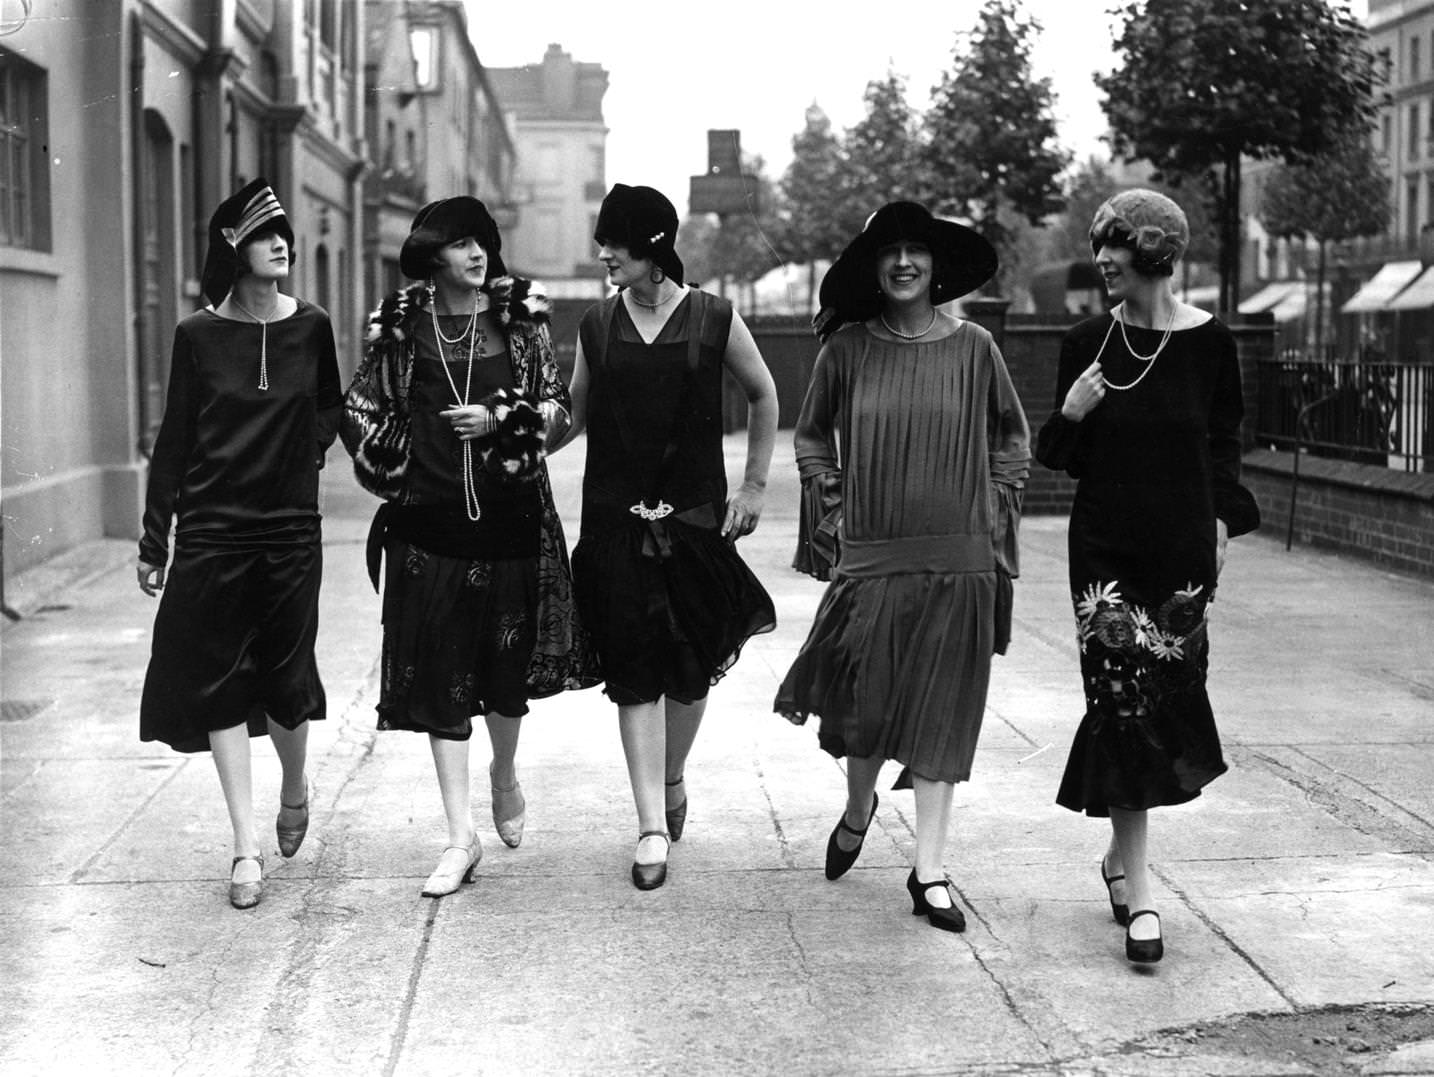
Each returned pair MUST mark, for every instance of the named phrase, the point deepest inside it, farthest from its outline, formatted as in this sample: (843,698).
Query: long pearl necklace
(1148,360)
(263,337)
(476,339)
(908,336)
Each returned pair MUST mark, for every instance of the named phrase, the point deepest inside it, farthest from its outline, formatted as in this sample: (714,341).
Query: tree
(1341,194)
(810,229)
(990,133)
(883,158)
(1207,82)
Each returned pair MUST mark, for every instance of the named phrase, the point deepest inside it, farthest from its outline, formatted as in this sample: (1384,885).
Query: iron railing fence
(1367,411)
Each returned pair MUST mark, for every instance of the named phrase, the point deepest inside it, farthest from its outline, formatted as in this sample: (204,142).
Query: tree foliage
(883,156)
(1341,194)
(1205,82)
(812,230)
(990,146)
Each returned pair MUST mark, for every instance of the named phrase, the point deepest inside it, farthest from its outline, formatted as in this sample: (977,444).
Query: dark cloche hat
(443,222)
(645,222)
(962,259)
(252,211)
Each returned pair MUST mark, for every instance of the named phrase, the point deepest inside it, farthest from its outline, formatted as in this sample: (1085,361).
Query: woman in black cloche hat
(253,405)
(913,451)
(448,419)
(659,580)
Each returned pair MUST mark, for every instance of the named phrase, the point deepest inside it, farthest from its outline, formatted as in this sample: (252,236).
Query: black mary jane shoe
(952,919)
(677,817)
(1144,951)
(839,860)
(650,876)
(1120,913)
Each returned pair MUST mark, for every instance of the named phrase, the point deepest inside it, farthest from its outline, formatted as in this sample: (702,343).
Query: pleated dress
(1157,464)
(926,449)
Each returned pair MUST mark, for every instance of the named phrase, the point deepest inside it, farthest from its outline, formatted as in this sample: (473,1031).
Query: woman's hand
(744,509)
(1222,540)
(472,421)
(1085,393)
(151,578)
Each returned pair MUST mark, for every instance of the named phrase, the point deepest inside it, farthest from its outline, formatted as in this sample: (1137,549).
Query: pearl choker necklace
(651,306)
(908,336)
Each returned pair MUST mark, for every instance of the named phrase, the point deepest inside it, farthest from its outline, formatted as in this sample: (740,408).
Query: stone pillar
(989,313)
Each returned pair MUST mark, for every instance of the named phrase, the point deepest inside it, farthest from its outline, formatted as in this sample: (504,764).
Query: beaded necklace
(1148,360)
(476,340)
(263,337)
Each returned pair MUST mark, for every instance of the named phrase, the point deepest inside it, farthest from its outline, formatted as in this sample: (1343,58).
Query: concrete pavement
(1301,884)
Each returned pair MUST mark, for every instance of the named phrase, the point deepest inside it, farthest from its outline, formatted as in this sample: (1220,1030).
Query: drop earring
(656,275)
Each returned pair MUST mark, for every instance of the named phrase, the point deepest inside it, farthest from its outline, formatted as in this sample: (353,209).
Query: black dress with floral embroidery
(1158,463)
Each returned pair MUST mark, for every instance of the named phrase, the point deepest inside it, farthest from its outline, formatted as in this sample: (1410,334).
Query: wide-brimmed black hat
(642,220)
(443,222)
(962,261)
(252,211)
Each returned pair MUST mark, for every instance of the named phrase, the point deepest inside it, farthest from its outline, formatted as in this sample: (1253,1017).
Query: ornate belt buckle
(641,509)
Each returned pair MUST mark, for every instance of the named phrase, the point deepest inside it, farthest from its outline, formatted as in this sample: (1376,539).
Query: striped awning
(1377,292)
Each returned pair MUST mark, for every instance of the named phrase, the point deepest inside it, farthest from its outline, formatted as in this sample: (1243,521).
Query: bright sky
(678,69)
(756,65)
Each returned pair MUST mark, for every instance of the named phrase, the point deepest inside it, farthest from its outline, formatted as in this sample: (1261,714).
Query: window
(423,40)
(1414,59)
(1386,134)
(1411,213)
(24,155)
(1414,131)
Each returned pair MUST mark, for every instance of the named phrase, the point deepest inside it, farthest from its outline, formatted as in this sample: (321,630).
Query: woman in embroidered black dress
(659,581)
(253,404)
(1147,418)
(448,419)
(913,451)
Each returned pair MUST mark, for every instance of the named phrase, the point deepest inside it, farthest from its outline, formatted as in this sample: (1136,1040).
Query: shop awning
(1270,296)
(1418,296)
(1293,305)
(1382,287)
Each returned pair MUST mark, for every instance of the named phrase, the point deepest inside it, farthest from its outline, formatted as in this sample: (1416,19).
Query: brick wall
(1386,516)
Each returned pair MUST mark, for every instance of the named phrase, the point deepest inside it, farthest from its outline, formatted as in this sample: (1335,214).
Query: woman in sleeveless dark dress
(446,419)
(913,451)
(1147,418)
(253,405)
(659,582)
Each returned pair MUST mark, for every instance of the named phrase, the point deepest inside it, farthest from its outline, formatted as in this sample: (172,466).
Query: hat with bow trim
(642,220)
(1146,222)
(249,213)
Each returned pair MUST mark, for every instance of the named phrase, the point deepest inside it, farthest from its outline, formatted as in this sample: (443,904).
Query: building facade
(125,123)
(435,127)
(556,111)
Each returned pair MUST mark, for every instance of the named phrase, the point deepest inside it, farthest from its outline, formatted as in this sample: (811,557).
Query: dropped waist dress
(237,466)
(922,451)
(667,598)
(1156,465)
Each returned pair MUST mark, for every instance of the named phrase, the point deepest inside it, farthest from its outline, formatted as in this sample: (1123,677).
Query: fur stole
(512,299)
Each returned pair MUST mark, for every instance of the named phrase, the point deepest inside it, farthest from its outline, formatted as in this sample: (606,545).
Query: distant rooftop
(558,88)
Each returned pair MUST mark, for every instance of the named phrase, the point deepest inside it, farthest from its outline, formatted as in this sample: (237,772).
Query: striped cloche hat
(253,211)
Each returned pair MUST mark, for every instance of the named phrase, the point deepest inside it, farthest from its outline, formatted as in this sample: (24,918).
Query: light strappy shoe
(447,878)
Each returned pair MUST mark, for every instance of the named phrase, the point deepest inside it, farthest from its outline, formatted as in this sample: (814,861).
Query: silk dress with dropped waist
(930,448)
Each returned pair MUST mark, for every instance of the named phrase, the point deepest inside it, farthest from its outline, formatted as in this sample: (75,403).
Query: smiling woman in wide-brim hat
(913,451)
(963,261)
